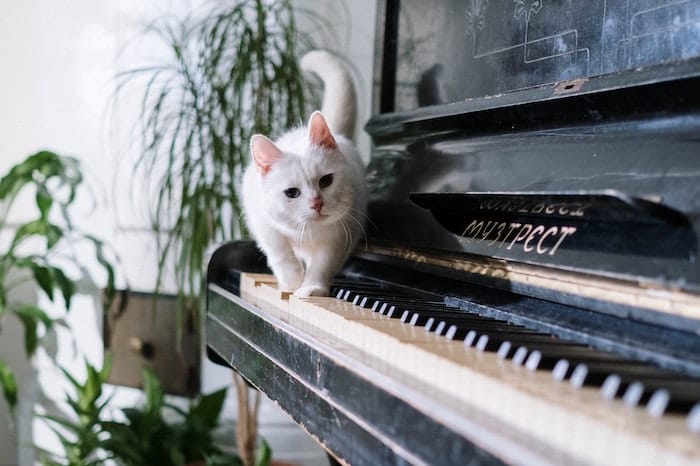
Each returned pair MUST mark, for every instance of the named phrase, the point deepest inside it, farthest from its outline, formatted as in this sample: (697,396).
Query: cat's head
(306,179)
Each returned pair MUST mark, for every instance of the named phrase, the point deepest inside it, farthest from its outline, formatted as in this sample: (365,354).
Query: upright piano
(529,290)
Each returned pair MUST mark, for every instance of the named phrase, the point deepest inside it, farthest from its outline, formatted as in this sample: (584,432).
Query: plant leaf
(30,316)
(207,408)
(44,277)
(9,385)
(264,454)
(65,284)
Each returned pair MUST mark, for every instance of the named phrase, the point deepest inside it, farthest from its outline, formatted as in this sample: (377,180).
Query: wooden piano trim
(629,295)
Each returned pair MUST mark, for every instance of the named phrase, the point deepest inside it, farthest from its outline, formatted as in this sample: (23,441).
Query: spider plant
(38,250)
(227,75)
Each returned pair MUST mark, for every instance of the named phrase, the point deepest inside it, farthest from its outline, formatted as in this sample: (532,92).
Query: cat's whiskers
(300,232)
(359,224)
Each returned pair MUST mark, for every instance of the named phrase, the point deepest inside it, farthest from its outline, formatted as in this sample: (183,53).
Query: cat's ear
(265,152)
(319,133)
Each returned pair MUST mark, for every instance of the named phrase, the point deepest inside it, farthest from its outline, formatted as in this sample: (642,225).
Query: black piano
(529,292)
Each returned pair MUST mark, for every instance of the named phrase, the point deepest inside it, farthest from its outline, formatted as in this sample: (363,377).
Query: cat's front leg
(322,265)
(288,272)
(281,259)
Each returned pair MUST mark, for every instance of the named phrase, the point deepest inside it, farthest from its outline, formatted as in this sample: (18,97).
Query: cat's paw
(289,278)
(311,290)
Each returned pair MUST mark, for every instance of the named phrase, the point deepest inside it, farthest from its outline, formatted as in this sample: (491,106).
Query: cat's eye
(325,181)
(292,192)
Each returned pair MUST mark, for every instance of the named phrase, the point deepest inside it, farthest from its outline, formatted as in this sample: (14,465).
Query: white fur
(339,104)
(305,248)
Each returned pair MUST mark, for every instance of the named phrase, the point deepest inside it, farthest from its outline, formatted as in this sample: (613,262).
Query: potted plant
(228,74)
(157,432)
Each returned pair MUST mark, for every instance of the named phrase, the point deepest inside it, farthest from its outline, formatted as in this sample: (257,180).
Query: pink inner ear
(319,133)
(265,152)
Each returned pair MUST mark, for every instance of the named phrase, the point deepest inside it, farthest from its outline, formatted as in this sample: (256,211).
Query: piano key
(379,305)
(456,369)
(681,393)
(591,371)
(539,343)
(596,373)
(546,358)
(693,419)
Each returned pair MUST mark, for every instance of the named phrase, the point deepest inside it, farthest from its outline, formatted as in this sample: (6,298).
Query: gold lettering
(499,232)
(537,231)
(513,226)
(490,225)
(565,231)
(551,231)
(538,208)
(522,234)
(473,229)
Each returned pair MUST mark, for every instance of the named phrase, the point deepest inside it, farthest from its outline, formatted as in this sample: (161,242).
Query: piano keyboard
(592,407)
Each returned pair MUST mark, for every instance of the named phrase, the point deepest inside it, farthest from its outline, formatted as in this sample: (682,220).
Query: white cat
(304,195)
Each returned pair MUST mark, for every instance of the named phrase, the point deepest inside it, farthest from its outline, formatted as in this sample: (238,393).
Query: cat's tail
(339,105)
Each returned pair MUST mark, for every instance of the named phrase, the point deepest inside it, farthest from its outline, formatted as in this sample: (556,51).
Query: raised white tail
(339,105)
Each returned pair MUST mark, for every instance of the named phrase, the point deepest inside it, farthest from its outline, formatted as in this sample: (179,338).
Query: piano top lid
(475,50)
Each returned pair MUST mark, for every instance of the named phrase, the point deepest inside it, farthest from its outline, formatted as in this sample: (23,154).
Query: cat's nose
(317,204)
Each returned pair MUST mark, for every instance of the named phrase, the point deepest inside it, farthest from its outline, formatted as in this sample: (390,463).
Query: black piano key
(378,304)
(517,336)
(434,318)
(532,342)
(591,371)
(639,389)
(498,334)
(562,358)
(693,419)
(548,356)
(492,339)
(661,401)
(596,373)
(442,320)
(657,378)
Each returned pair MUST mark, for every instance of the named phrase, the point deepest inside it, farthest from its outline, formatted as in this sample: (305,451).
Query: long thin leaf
(8,384)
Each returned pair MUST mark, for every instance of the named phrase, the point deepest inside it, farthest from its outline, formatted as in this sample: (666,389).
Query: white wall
(57,59)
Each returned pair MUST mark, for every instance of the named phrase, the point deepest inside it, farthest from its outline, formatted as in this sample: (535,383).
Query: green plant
(37,250)
(158,433)
(82,438)
(228,75)
(147,437)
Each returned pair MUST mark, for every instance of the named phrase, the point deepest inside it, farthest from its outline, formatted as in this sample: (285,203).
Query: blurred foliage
(37,251)
(156,433)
